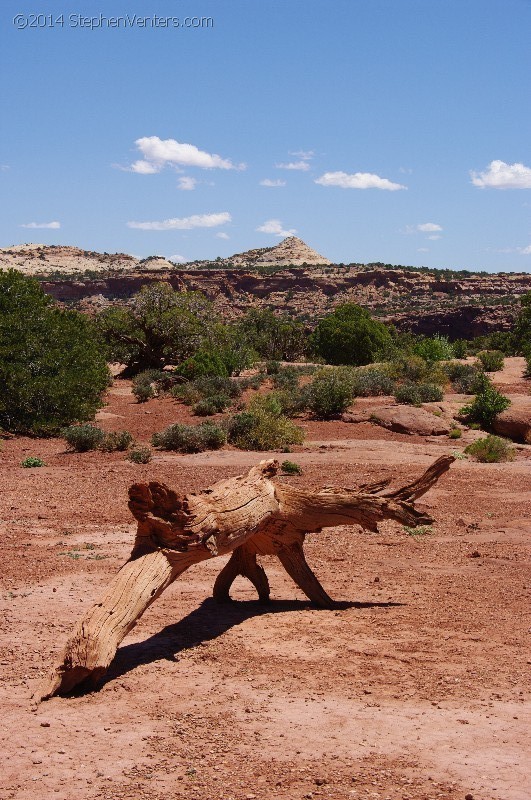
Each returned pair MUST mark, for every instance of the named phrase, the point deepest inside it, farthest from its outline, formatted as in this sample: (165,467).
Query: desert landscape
(412,687)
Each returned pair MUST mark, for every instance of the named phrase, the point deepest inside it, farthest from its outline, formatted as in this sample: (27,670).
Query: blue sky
(387,130)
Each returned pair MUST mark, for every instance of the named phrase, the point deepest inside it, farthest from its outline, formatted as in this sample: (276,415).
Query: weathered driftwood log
(247,516)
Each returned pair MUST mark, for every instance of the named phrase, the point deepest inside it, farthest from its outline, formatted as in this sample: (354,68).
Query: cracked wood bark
(248,515)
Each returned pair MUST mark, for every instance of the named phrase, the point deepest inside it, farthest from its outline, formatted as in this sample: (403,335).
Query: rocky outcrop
(403,419)
(515,422)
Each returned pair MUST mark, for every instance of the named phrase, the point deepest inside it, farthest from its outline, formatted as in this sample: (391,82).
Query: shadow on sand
(205,623)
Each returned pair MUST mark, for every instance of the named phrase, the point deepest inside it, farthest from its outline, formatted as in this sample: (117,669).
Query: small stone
(320,781)
(45,724)
(469,796)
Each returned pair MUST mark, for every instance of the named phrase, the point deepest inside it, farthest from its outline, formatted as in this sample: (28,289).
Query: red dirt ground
(414,688)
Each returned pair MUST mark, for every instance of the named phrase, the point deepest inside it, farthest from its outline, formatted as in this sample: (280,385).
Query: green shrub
(293,402)
(116,441)
(252,382)
(350,336)
(491,360)
(291,468)
(487,404)
(190,438)
(276,337)
(272,367)
(211,405)
(263,426)
(455,433)
(286,378)
(331,392)
(140,455)
(414,394)
(204,362)
(414,369)
(32,461)
(143,388)
(52,365)
(527,369)
(186,393)
(491,449)
(211,385)
(460,347)
(465,377)
(434,348)
(372,382)
(82,438)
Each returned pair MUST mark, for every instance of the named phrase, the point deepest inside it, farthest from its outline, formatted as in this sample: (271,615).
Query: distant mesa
(40,259)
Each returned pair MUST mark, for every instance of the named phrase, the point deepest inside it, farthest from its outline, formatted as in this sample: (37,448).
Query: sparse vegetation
(491,449)
(372,382)
(414,394)
(116,441)
(32,461)
(190,438)
(263,426)
(491,360)
(140,455)
(291,468)
(455,433)
(331,392)
(83,438)
(350,336)
(464,377)
(487,404)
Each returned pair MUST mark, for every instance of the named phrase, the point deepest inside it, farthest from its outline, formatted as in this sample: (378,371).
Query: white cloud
(303,166)
(222,235)
(272,184)
(159,153)
(184,223)
(357,180)
(434,237)
(423,249)
(50,225)
(428,227)
(177,259)
(305,155)
(525,251)
(186,183)
(4,167)
(274,226)
(144,167)
(500,175)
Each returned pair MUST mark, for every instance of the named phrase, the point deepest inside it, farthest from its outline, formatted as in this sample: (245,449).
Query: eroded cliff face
(414,301)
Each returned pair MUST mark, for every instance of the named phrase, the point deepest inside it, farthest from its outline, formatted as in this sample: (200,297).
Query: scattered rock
(515,422)
(409,419)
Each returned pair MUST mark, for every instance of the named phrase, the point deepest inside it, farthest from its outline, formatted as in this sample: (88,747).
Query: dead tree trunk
(247,516)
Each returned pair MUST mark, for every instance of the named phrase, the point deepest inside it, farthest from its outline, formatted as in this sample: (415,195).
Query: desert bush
(276,337)
(211,405)
(487,404)
(252,382)
(190,438)
(142,387)
(186,393)
(460,348)
(286,378)
(140,455)
(331,391)
(293,402)
(32,461)
(414,394)
(52,366)
(414,369)
(491,449)
(204,362)
(491,360)
(82,438)
(211,385)
(116,441)
(372,382)
(272,367)
(263,426)
(433,348)
(455,433)
(527,368)
(291,468)
(350,336)
(464,377)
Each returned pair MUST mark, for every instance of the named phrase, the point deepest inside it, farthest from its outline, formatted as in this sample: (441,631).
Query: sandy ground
(413,688)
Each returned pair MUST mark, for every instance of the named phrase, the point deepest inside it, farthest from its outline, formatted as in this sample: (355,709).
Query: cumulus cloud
(184,223)
(49,225)
(301,165)
(500,175)
(274,226)
(272,184)
(222,235)
(177,259)
(158,153)
(357,180)
(186,183)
